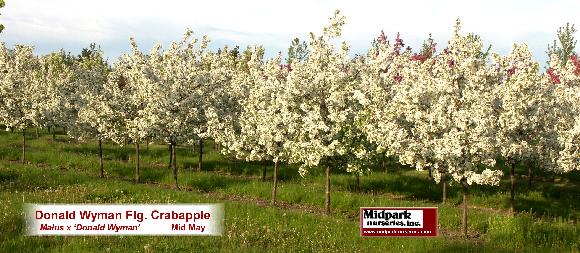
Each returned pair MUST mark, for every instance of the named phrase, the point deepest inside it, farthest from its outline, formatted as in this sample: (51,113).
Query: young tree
(56,82)
(262,132)
(359,153)
(223,105)
(461,122)
(394,101)
(180,85)
(318,108)
(19,96)
(94,117)
(525,115)
(566,79)
(128,97)
(226,75)
(440,113)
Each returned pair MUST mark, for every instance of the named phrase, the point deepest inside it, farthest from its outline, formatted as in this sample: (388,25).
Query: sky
(50,25)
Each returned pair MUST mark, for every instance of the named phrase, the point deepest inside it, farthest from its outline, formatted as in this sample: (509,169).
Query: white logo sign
(373,218)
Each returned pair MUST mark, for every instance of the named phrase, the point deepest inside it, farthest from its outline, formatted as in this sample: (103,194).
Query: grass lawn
(64,171)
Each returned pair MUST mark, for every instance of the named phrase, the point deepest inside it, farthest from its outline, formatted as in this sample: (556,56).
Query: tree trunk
(137,165)
(199,165)
(444,189)
(170,155)
(464,218)
(101,158)
(327,200)
(23,145)
(174,164)
(513,189)
(275,182)
(54,133)
(37,134)
(530,176)
(264,170)
(430,177)
(357,181)
(147,145)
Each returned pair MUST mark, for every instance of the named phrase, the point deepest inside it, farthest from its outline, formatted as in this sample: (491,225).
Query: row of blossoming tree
(454,112)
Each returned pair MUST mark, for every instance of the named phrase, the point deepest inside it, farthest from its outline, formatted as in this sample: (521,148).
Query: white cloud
(73,24)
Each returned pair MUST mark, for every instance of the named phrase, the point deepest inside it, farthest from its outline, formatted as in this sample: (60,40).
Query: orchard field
(65,171)
(295,146)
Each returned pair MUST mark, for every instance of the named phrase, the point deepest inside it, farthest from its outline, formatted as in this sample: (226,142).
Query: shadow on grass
(403,181)
(127,172)
(565,207)
(236,167)
(115,152)
(410,187)
(543,208)
(109,152)
(550,195)
(8,175)
(207,183)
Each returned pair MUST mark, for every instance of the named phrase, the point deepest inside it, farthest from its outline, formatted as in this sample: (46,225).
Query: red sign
(398,221)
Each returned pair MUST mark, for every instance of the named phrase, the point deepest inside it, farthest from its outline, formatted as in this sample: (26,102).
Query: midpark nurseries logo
(398,221)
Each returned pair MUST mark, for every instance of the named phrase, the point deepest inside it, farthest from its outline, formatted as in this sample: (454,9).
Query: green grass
(63,171)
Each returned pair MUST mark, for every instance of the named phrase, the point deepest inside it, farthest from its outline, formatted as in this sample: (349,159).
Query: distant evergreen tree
(298,51)
(565,45)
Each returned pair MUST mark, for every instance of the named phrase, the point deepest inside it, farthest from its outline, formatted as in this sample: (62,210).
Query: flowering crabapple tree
(522,111)
(263,131)
(129,95)
(180,85)
(564,74)
(56,81)
(248,79)
(229,70)
(360,154)
(566,77)
(440,113)
(233,120)
(223,102)
(20,101)
(392,115)
(94,116)
(318,107)
(460,119)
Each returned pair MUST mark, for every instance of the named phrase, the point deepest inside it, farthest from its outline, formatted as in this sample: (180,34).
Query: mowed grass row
(67,172)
